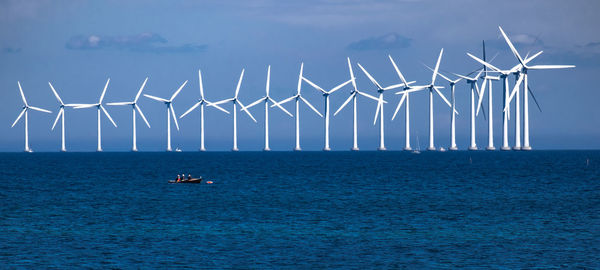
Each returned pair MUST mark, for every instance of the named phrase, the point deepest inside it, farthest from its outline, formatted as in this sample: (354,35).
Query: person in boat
(189,176)
(178,178)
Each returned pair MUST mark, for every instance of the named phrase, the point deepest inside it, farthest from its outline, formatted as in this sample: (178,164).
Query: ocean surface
(306,210)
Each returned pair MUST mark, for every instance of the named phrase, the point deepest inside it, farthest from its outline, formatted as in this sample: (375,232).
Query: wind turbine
(490,117)
(523,78)
(170,112)
(234,100)
(380,102)
(353,94)
(266,100)
(506,113)
(405,97)
(298,97)
(432,87)
(134,108)
(453,117)
(99,107)
(25,110)
(474,87)
(201,102)
(61,115)
(326,95)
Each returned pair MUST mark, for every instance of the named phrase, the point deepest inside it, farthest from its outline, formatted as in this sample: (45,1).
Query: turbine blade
(397,70)
(550,66)
(437,67)
(284,101)
(512,47)
(379,104)
(300,78)
(344,104)
(174,116)
(247,112)
(39,109)
(311,106)
(279,106)
(85,106)
(55,94)
(254,103)
(413,89)
(394,86)
(201,85)
(178,90)
(22,95)
(483,87)
(19,117)
(444,98)
(142,115)
(60,112)
(104,91)
(108,115)
(492,67)
(268,80)
(314,85)
(216,106)
(534,99)
(190,109)
(156,98)
(340,86)
(352,75)
(514,91)
(119,103)
(440,74)
(140,91)
(367,95)
(369,76)
(399,105)
(221,102)
(237,89)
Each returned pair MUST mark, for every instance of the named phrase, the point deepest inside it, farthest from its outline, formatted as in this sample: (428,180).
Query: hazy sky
(77,45)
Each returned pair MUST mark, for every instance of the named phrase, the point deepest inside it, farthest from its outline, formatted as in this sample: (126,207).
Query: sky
(78,45)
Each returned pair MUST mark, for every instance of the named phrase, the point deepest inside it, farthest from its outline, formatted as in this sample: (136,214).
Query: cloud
(10,50)
(385,42)
(519,40)
(144,42)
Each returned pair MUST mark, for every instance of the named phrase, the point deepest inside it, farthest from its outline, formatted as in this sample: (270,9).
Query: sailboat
(418,150)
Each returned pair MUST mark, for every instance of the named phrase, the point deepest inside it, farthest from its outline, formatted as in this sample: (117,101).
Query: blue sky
(77,45)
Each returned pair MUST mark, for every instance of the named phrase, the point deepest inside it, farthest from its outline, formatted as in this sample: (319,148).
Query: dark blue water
(301,210)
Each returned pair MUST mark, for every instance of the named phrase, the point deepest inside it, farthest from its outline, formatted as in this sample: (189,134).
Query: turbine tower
(405,98)
(506,113)
(25,110)
(326,95)
(134,107)
(353,94)
(234,100)
(298,97)
(523,78)
(61,115)
(432,87)
(201,102)
(266,100)
(380,102)
(99,107)
(170,112)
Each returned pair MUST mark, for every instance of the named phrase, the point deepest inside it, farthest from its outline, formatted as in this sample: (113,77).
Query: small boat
(191,181)
(418,150)
(177,149)
(442,149)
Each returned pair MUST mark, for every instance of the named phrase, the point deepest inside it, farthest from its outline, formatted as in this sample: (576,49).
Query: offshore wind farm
(320,134)
(477,93)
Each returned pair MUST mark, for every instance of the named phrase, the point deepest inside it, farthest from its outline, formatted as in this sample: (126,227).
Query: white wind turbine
(201,102)
(506,113)
(523,77)
(474,89)
(453,117)
(490,117)
(380,102)
(298,97)
(134,107)
(25,110)
(326,95)
(266,100)
(353,94)
(405,98)
(99,107)
(61,115)
(432,87)
(234,100)
(170,112)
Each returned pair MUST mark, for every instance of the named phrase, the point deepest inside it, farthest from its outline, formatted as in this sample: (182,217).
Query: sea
(301,210)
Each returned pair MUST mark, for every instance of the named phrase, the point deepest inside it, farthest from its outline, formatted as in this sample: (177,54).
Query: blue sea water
(301,210)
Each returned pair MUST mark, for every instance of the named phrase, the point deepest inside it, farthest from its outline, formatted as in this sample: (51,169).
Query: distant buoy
(209,182)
